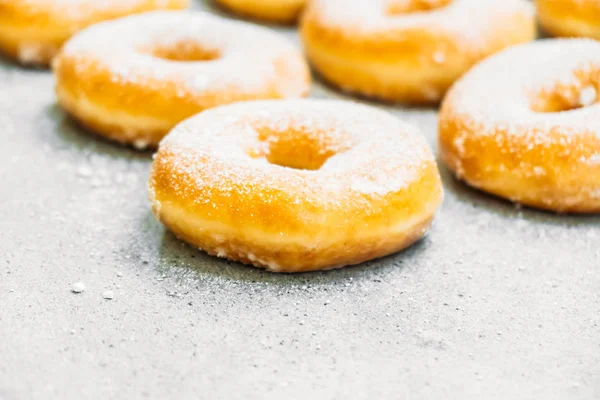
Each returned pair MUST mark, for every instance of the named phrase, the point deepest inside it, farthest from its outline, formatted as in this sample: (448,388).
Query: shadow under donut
(70,132)
(8,62)
(182,262)
(464,193)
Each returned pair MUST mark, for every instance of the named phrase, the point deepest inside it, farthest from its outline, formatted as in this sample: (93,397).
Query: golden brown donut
(408,50)
(279,11)
(570,17)
(32,31)
(525,125)
(295,185)
(133,79)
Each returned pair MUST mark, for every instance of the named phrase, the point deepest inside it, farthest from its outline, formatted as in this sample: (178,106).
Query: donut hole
(400,7)
(289,161)
(297,149)
(566,99)
(185,51)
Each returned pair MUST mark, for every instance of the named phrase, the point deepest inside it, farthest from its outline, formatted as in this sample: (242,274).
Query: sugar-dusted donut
(32,31)
(134,78)
(570,17)
(279,11)
(295,185)
(408,50)
(525,125)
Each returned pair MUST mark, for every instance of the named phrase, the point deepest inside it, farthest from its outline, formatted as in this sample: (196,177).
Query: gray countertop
(496,302)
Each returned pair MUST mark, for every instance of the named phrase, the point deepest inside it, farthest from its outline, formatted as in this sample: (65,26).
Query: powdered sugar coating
(249,58)
(501,91)
(472,21)
(371,153)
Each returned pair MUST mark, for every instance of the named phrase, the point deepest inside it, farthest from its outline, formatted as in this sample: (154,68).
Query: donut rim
(285,12)
(569,18)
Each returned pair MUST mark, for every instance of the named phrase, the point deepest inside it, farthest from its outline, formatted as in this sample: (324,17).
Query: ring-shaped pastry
(408,50)
(295,185)
(32,31)
(525,125)
(134,78)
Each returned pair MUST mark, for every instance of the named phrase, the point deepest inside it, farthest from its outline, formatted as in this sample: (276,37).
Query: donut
(570,17)
(295,185)
(525,125)
(408,51)
(278,11)
(32,31)
(133,79)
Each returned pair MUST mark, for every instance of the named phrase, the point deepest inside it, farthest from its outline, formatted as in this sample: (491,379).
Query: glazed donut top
(387,20)
(204,52)
(533,89)
(309,154)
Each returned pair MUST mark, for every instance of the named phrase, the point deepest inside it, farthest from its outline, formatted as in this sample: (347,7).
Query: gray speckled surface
(497,302)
